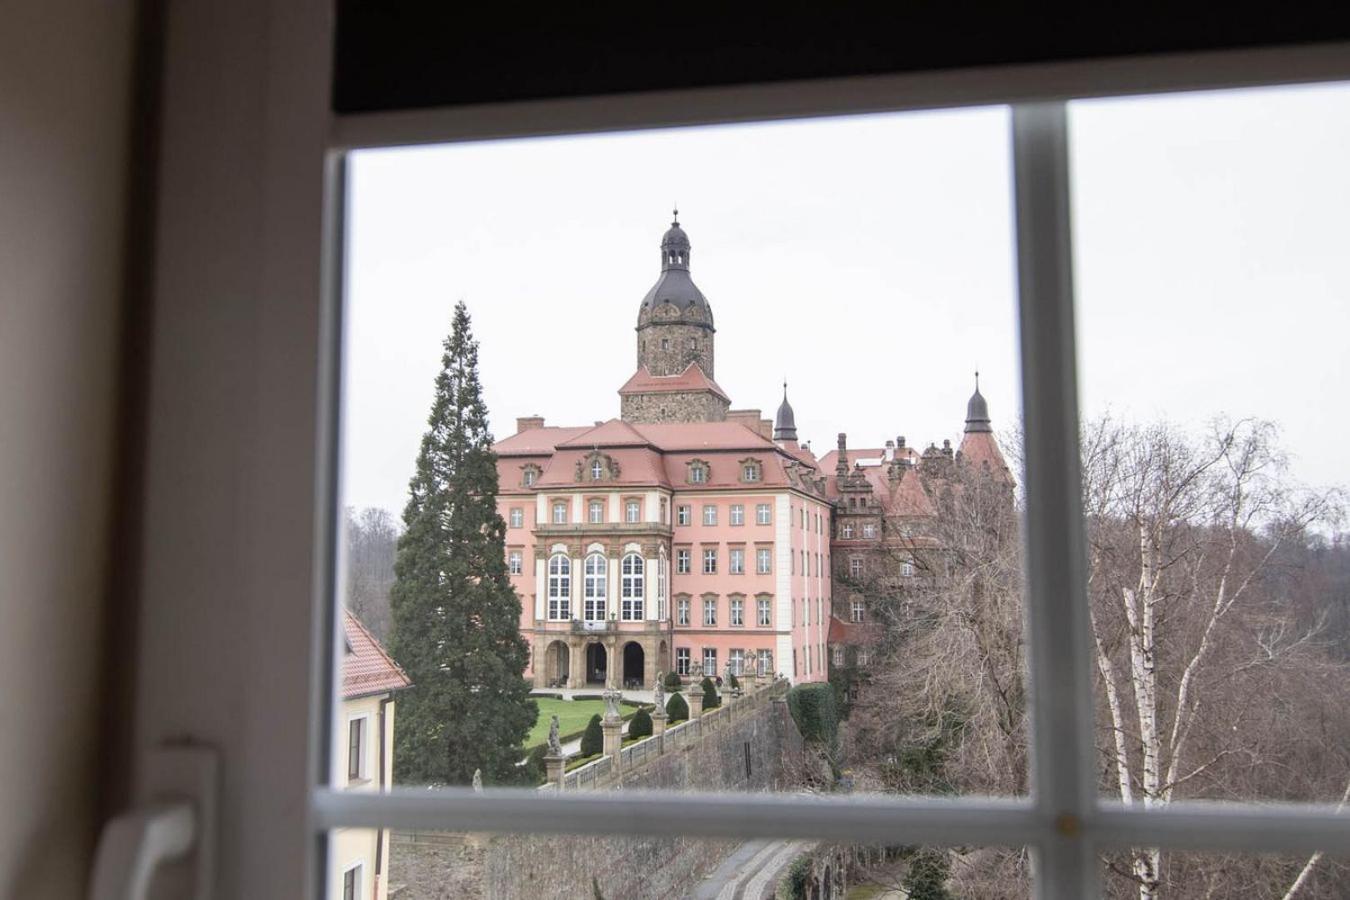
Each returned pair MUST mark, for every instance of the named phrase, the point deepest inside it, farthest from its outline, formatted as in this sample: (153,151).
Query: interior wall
(65,97)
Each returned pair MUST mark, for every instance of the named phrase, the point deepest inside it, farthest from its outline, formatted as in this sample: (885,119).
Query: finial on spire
(675,213)
(784,388)
(977,378)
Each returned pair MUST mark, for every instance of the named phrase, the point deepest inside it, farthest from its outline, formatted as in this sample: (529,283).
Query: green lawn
(572,716)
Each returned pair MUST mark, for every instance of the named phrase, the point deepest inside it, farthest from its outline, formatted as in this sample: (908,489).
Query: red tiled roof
(536,441)
(676,436)
(842,632)
(614,433)
(979,448)
(366,668)
(691,379)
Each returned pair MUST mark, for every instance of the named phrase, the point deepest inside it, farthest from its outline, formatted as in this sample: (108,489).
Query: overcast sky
(869,261)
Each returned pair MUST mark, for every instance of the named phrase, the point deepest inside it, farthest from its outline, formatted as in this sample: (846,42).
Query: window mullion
(1062,772)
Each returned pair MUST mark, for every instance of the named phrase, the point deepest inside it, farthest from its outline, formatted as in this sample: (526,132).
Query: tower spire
(785,423)
(977,410)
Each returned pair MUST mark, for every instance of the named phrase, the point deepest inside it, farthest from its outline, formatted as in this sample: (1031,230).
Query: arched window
(632,586)
(594,587)
(559,587)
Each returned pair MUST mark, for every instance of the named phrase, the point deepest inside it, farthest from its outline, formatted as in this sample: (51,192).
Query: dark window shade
(410,55)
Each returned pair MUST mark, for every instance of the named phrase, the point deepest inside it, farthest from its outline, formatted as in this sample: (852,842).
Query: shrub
(640,726)
(812,707)
(733,682)
(927,877)
(593,740)
(534,771)
(798,878)
(673,682)
(710,698)
(677,710)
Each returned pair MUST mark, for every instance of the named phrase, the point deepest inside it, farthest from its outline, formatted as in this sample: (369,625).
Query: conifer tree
(456,618)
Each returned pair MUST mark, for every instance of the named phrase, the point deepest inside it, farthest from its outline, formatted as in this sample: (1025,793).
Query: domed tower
(674,377)
(978,446)
(675,323)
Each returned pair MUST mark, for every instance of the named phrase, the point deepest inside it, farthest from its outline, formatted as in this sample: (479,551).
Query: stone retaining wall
(736,748)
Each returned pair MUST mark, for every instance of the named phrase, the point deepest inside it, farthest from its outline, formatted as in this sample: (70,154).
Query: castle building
(683,534)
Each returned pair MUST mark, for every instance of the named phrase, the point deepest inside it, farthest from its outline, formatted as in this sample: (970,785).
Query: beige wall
(65,93)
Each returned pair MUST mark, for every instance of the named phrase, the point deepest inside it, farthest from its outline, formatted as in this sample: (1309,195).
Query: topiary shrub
(593,739)
(733,682)
(927,877)
(677,709)
(710,698)
(673,682)
(640,726)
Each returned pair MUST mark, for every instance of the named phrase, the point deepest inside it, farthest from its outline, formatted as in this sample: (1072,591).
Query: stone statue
(554,742)
(659,697)
(612,698)
(726,674)
(478,780)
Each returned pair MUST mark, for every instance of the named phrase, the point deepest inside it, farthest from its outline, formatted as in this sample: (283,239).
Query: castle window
(596,512)
(682,617)
(665,343)
(514,562)
(710,562)
(698,472)
(560,513)
(862,656)
(597,470)
(661,585)
(531,473)
(737,561)
(750,472)
(855,567)
(838,655)
(764,611)
(737,660)
(737,514)
(846,532)
(632,511)
(709,660)
(682,562)
(517,517)
(762,514)
(559,587)
(737,611)
(682,514)
(907,568)
(869,530)
(594,585)
(856,611)
(764,664)
(709,610)
(710,515)
(632,588)
(763,561)
(682,660)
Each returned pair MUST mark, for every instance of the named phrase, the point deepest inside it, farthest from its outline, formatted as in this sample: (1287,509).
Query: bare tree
(1183,537)
(372,544)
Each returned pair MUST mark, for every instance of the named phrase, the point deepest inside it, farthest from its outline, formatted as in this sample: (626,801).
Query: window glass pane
(1259,877)
(1210,236)
(877,246)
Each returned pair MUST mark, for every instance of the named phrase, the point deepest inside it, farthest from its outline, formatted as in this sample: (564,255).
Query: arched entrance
(557,663)
(597,662)
(633,660)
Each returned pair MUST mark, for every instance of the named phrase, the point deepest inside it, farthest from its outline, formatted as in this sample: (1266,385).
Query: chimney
(525,423)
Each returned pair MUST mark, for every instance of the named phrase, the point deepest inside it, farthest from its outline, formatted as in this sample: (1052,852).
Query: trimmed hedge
(813,709)
(677,709)
(593,739)
(733,682)
(640,725)
(710,698)
(673,682)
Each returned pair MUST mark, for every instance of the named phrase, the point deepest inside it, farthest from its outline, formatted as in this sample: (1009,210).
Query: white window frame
(632,511)
(710,514)
(709,612)
(737,514)
(1063,820)
(736,657)
(517,517)
(632,587)
(595,512)
(363,750)
(763,514)
(595,587)
(358,872)
(515,562)
(763,612)
(682,660)
(763,561)
(709,662)
(736,612)
(736,561)
(682,611)
(559,575)
(683,560)
(857,610)
(709,560)
(683,514)
(559,512)
(837,651)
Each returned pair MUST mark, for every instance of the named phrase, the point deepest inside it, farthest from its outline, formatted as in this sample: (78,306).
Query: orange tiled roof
(366,667)
(536,441)
(691,379)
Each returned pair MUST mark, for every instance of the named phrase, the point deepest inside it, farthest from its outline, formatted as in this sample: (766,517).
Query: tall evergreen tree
(456,618)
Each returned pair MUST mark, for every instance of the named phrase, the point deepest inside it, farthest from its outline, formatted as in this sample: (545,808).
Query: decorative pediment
(751,469)
(597,466)
(698,471)
(529,474)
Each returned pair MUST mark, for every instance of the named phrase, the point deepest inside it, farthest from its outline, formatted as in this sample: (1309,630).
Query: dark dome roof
(675,286)
(977,412)
(785,423)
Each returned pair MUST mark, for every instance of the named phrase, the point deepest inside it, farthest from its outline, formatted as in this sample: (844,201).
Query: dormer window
(698,472)
(529,475)
(597,469)
(751,471)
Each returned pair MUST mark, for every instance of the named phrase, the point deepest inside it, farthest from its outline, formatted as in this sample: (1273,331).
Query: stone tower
(675,323)
(675,334)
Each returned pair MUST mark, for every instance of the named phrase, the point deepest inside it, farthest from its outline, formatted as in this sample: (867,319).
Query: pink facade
(638,548)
